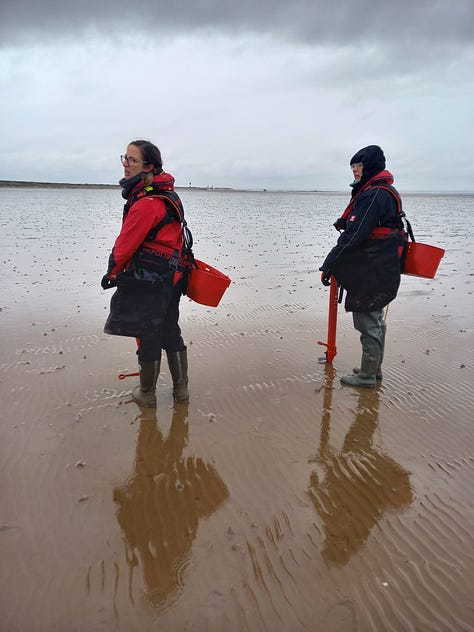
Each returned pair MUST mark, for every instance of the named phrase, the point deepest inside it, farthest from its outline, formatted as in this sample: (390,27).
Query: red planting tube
(331,349)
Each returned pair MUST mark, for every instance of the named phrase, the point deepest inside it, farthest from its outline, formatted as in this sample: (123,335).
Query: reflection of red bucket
(206,284)
(422,260)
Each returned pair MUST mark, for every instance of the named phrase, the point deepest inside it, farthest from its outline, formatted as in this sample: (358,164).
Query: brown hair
(150,153)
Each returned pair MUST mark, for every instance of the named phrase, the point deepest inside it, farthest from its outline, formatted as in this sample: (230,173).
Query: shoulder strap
(394,193)
(398,200)
(387,187)
(174,212)
(172,201)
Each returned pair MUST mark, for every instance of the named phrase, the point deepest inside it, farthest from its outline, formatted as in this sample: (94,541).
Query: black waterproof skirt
(370,275)
(138,307)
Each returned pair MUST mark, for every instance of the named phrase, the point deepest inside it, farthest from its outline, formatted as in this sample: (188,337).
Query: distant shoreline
(55,185)
(70,185)
(86,185)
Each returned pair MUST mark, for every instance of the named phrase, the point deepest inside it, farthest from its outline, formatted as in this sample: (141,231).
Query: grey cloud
(402,23)
(280,97)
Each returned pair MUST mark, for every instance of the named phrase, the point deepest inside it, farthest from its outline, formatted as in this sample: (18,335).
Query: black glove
(340,223)
(326,277)
(107,283)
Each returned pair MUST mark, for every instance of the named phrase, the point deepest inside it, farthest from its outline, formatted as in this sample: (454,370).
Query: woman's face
(357,169)
(133,163)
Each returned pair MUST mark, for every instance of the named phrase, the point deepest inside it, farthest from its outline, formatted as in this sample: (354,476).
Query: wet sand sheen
(275,499)
(278,499)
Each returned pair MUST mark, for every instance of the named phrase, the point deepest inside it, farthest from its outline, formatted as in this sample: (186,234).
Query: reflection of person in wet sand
(360,482)
(160,506)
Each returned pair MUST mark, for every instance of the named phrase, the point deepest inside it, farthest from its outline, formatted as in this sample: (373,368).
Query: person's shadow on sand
(160,506)
(360,482)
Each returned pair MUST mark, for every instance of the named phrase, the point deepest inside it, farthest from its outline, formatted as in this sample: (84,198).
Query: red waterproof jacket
(140,218)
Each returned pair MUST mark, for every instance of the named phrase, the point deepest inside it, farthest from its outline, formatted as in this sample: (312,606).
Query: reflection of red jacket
(143,215)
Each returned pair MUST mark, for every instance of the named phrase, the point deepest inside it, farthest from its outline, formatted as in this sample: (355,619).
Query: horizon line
(47,184)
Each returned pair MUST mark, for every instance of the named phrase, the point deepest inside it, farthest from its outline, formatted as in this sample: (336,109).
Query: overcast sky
(271,94)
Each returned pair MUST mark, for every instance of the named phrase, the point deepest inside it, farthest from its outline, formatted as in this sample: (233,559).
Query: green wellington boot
(178,364)
(145,393)
(367,374)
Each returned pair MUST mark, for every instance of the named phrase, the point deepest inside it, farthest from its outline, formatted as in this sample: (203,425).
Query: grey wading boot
(178,364)
(367,374)
(144,394)
(378,374)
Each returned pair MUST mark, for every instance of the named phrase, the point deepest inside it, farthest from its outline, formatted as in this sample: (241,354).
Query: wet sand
(277,500)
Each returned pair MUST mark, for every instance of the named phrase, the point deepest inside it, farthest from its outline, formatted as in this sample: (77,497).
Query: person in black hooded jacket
(366,258)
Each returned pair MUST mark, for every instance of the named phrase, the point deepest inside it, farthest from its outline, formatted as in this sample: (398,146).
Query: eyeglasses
(357,165)
(128,160)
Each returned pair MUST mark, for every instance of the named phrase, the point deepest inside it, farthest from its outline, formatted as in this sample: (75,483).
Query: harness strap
(174,212)
(391,190)
(166,252)
(399,210)
(383,232)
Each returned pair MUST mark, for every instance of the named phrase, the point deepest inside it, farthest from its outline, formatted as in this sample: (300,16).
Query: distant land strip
(70,185)
(85,185)
(56,185)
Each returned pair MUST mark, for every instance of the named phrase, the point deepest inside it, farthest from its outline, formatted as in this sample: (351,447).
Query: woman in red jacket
(148,265)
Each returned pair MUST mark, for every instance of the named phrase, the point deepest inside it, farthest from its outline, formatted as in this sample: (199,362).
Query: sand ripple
(278,500)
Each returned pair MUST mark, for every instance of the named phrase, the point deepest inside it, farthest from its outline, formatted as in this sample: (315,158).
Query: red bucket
(422,260)
(206,284)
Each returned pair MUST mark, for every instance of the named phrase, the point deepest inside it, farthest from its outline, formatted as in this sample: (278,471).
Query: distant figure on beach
(149,265)
(366,258)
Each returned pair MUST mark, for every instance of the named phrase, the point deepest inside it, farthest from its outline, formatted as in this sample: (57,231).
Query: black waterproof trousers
(166,336)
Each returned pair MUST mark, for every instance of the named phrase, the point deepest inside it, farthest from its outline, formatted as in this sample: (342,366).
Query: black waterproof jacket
(366,258)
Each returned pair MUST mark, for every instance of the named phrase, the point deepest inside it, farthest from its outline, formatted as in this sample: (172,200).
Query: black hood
(373,160)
